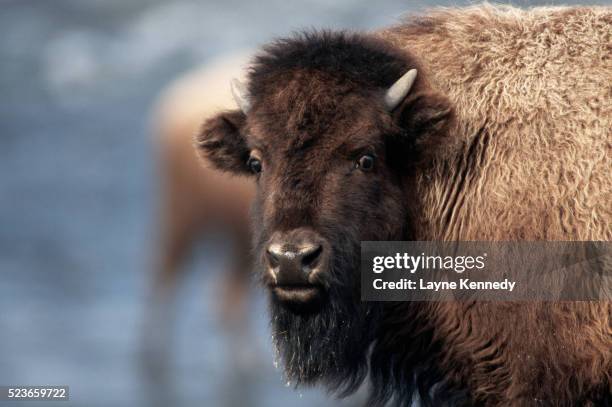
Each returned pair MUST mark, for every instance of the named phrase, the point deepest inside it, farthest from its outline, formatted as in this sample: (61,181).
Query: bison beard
(328,346)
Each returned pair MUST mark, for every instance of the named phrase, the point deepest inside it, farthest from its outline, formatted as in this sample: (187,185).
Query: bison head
(331,126)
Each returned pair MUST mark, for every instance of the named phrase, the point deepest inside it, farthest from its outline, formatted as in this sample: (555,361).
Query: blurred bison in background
(197,200)
(504,134)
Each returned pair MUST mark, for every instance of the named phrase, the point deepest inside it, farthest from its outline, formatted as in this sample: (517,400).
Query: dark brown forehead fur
(317,84)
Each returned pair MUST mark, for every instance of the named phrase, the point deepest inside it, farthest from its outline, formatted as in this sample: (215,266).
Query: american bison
(197,200)
(483,123)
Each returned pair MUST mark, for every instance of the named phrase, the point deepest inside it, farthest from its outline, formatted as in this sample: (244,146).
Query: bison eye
(254,165)
(365,162)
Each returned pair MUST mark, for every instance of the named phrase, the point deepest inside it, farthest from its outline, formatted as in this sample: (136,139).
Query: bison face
(319,196)
(331,153)
(331,172)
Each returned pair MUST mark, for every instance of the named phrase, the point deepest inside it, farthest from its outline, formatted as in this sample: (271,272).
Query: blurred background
(99,288)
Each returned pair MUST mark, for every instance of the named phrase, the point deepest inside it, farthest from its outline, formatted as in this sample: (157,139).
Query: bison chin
(328,345)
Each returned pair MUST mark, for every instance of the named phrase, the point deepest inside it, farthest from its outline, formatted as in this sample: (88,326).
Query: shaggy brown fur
(504,136)
(533,95)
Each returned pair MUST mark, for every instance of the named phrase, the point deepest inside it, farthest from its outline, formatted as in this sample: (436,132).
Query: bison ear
(220,141)
(424,119)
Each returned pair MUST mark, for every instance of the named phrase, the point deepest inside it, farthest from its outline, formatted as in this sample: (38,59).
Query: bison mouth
(298,297)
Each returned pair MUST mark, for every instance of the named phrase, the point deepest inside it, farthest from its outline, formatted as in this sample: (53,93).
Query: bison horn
(240,95)
(398,91)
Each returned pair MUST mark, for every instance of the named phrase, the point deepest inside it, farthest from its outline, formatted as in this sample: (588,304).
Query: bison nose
(303,259)
(293,266)
(292,261)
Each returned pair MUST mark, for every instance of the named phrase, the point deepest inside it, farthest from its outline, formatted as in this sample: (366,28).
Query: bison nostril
(273,259)
(311,257)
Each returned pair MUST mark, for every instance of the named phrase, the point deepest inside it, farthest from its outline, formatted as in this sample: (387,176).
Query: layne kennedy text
(462,284)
